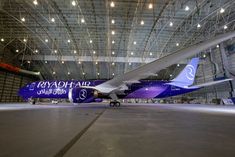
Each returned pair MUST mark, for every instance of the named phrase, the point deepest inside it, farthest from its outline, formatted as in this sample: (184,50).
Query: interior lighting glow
(23,19)
(112,4)
(73,3)
(62,62)
(74,51)
(113,53)
(113,32)
(52,19)
(35,2)
(24,40)
(46,40)
(132,53)
(112,21)
(55,51)
(113,63)
(142,22)
(79,62)
(83,73)
(90,41)
(94,52)
(96,63)
(53,73)
(225,26)
(186,8)
(150,6)
(82,20)
(113,42)
(46,62)
(2,40)
(68,73)
(129,63)
(134,42)
(151,54)
(98,73)
(198,25)
(177,44)
(171,24)
(113,74)
(217,46)
(221,10)
(17,50)
(69,41)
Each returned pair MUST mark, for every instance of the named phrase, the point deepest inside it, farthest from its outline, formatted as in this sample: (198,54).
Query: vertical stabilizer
(187,76)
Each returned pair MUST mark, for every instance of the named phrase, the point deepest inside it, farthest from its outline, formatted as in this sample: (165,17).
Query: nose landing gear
(114,104)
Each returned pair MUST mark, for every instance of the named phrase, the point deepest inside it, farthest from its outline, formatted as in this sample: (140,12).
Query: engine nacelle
(80,95)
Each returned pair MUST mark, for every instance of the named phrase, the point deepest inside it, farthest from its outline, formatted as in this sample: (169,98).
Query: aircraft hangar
(117,78)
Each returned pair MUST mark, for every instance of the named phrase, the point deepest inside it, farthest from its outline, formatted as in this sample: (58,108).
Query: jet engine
(80,95)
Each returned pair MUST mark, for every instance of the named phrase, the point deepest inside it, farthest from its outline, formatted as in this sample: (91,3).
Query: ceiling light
(134,42)
(79,62)
(24,40)
(17,50)
(113,74)
(53,73)
(132,53)
(112,4)
(113,42)
(23,19)
(55,51)
(73,3)
(186,8)
(225,26)
(35,2)
(113,53)
(94,52)
(46,62)
(82,20)
(62,62)
(90,41)
(221,10)
(74,51)
(36,51)
(177,44)
(68,41)
(2,39)
(204,55)
(217,46)
(98,73)
(142,22)
(150,6)
(150,53)
(52,19)
(96,63)
(28,62)
(46,40)
(178,65)
(83,73)
(171,24)
(198,25)
(171,75)
(146,89)
(68,73)
(129,63)
(113,32)
(112,21)
(113,63)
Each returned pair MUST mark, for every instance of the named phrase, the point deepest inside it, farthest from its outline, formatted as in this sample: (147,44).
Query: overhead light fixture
(28,62)
(132,53)
(186,8)
(142,22)
(35,2)
(73,3)
(24,40)
(204,55)
(53,73)
(17,50)
(98,73)
(36,51)
(52,19)
(112,4)
(221,10)
(112,21)
(46,40)
(46,62)
(23,19)
(150,6)
(2,40)
(113,63)
(113,42)
(113,32)
(79,62)
(90,41)
(217,46)
(171,75)
(198,25)
(113,53)
(225,26)
(83,73)
(129,63)
(94,52)
(113,74)
(134,42)
(150,53)
(55,51)
(74,51)
(177,44)
(82,20)
(62,62)
(178,65)
(96,63)
(69,41)
(171,24)
(68,73)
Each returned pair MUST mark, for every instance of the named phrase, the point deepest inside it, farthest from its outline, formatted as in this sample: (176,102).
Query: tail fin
(187,76)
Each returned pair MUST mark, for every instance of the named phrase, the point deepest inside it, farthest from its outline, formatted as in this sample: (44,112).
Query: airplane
(131,84)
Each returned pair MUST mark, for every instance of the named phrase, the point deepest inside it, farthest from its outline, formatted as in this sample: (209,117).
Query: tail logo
(83,94)
(190,72)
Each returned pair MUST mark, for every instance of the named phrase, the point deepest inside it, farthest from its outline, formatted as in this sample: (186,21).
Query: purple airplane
(130,84)
(95,91)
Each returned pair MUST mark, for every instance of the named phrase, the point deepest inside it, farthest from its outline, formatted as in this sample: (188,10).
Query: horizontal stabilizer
(210,83)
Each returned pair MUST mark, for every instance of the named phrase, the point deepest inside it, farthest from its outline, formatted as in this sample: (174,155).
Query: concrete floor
(166,130)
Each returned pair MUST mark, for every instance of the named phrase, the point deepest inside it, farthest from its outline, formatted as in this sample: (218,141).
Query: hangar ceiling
(98,39)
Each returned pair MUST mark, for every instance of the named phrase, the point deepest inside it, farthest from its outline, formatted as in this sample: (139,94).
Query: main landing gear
(114,104)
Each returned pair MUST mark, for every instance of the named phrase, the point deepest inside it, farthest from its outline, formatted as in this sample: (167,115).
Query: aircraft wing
(117,83)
